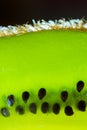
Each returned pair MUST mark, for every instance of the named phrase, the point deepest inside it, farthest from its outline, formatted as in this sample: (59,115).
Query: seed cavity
(64,95)
(44,107)
(69,111)
(5,112)
(80,86)
(20,110)
(56,108)
(10,100)
(42,93)
(33,108)
(25,96)
(82,105)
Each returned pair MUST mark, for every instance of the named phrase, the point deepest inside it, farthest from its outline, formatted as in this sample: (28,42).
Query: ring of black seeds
(82,105)
(20,110)
(5,112)
(69,111)
(64,95)
(44,107)
(80,86)
(56,108)
(33,108)
(11,100)
(25,96)
(41,93)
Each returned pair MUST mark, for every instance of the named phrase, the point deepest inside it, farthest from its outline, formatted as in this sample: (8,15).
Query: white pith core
(43,25)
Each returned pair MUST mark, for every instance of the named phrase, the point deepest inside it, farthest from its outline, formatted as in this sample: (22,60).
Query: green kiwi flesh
(54,61)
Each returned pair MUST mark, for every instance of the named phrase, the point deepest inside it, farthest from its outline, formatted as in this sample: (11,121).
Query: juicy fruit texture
(43,80)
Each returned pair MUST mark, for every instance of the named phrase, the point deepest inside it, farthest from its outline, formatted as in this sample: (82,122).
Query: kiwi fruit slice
(43,79)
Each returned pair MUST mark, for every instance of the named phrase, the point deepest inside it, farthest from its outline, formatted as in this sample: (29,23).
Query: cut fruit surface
(43,80)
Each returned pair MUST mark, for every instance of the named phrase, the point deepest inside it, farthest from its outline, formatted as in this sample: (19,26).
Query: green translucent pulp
(55,60)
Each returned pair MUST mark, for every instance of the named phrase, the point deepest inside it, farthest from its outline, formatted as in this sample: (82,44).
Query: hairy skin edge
(73,24)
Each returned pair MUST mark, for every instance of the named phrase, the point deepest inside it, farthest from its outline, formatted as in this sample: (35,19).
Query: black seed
(80,86)
(25,96)
(20,110)
(41,93)
(56,108)
(33,108)
(64,95)
(69,111)
(82,105)
(5,112)
(11,100)
(45,107)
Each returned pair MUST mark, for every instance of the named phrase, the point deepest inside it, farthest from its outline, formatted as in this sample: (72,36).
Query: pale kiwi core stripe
(74,24)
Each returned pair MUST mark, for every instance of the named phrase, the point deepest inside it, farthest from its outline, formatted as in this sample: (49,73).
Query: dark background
(21,11)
